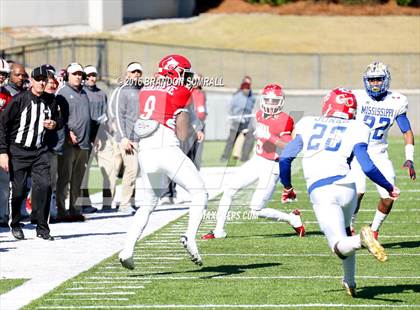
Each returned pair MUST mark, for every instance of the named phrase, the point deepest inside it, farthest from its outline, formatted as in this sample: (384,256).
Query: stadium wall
(298,104)
(101,15)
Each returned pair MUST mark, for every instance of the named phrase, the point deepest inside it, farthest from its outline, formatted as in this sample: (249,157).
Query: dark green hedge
(350,2)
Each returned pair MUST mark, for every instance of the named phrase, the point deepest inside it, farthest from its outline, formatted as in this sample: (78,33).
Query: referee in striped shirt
(23,152)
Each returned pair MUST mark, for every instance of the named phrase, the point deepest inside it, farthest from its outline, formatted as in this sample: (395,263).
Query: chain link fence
(293,71)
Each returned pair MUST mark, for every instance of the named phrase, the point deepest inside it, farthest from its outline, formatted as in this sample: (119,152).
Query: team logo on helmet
(170,64)
(339,102)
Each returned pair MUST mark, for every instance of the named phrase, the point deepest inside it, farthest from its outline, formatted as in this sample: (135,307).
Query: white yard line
(102,288)
(250,306)
(79,246)
(301,255)
(226,277)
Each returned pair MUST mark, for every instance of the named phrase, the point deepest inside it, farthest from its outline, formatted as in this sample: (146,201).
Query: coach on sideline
(23,152)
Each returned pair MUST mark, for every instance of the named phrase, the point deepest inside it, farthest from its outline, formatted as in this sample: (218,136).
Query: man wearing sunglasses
(23,152)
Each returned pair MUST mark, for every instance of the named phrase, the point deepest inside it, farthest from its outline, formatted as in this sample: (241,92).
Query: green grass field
(9,284)
(261,264)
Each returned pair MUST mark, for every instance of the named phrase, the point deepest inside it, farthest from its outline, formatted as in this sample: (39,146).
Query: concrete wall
(105,15)
(18,13)
(134,10)
(101,15)
(298,105)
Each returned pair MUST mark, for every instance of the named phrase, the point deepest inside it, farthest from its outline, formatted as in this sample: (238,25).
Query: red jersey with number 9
(269,129)
(162,104)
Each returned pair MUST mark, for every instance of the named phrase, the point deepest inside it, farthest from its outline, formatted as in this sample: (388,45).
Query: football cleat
(296,223)
(375,234)
(126,262)
(213,235)
(368,240)
(350,290)
(192,250)
(210,235)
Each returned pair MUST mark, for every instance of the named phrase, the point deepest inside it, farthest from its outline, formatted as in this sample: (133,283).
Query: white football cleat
(126,261)
(374,247)
(191,247)
(296,222)
(350,290)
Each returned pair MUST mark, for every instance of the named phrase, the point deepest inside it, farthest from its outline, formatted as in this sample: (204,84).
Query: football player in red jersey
(163,121)
(274,129)
(5,98)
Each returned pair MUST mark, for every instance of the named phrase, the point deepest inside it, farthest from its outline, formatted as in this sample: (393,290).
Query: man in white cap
(76,113)
(98,109)
(124,111)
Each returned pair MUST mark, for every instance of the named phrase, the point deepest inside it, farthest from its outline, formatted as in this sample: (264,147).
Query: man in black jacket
(23,152)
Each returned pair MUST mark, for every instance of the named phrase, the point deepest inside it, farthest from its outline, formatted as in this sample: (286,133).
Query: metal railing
(293,71)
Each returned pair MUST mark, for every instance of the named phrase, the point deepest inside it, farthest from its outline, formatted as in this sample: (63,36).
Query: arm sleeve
(289,153)
(403,122)
(369,168)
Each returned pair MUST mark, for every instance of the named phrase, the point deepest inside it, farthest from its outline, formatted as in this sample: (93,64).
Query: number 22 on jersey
(383,122)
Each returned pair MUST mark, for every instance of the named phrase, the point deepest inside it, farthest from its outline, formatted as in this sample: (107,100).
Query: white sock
(348,245)
(274,215)
(198,205)
(378,220)
(223,210)
(349,269)
(140,220)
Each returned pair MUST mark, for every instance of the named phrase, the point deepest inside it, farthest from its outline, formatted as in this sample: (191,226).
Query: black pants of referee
(35,163)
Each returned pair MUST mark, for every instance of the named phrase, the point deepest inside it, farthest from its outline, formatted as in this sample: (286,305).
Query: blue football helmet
(380,71)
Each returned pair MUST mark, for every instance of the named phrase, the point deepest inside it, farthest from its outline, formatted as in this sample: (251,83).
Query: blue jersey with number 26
(327,146)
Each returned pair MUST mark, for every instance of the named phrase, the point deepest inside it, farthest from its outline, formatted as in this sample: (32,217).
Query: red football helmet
(5,97)
(272,99)
(175,67)
(340,102)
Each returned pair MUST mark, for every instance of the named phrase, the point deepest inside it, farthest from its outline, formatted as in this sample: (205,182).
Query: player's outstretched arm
(369,168)
(405,128)
(289,153)
(409,153)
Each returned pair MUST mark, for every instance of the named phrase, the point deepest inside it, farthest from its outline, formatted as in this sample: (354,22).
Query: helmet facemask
(377,71)
(271,104)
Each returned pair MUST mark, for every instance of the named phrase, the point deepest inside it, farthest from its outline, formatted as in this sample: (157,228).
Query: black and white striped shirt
(21,123)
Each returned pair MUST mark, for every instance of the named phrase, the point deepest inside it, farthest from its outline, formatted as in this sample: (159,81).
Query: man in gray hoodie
(124,111)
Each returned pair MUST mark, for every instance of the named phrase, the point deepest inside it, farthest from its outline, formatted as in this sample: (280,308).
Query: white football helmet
(377,70)
(272,99)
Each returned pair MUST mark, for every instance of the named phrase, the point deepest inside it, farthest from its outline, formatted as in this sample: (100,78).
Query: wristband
(409,152)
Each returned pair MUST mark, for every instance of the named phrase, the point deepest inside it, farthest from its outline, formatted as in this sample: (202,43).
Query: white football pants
(260,169)
(334,205)
(156,165)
